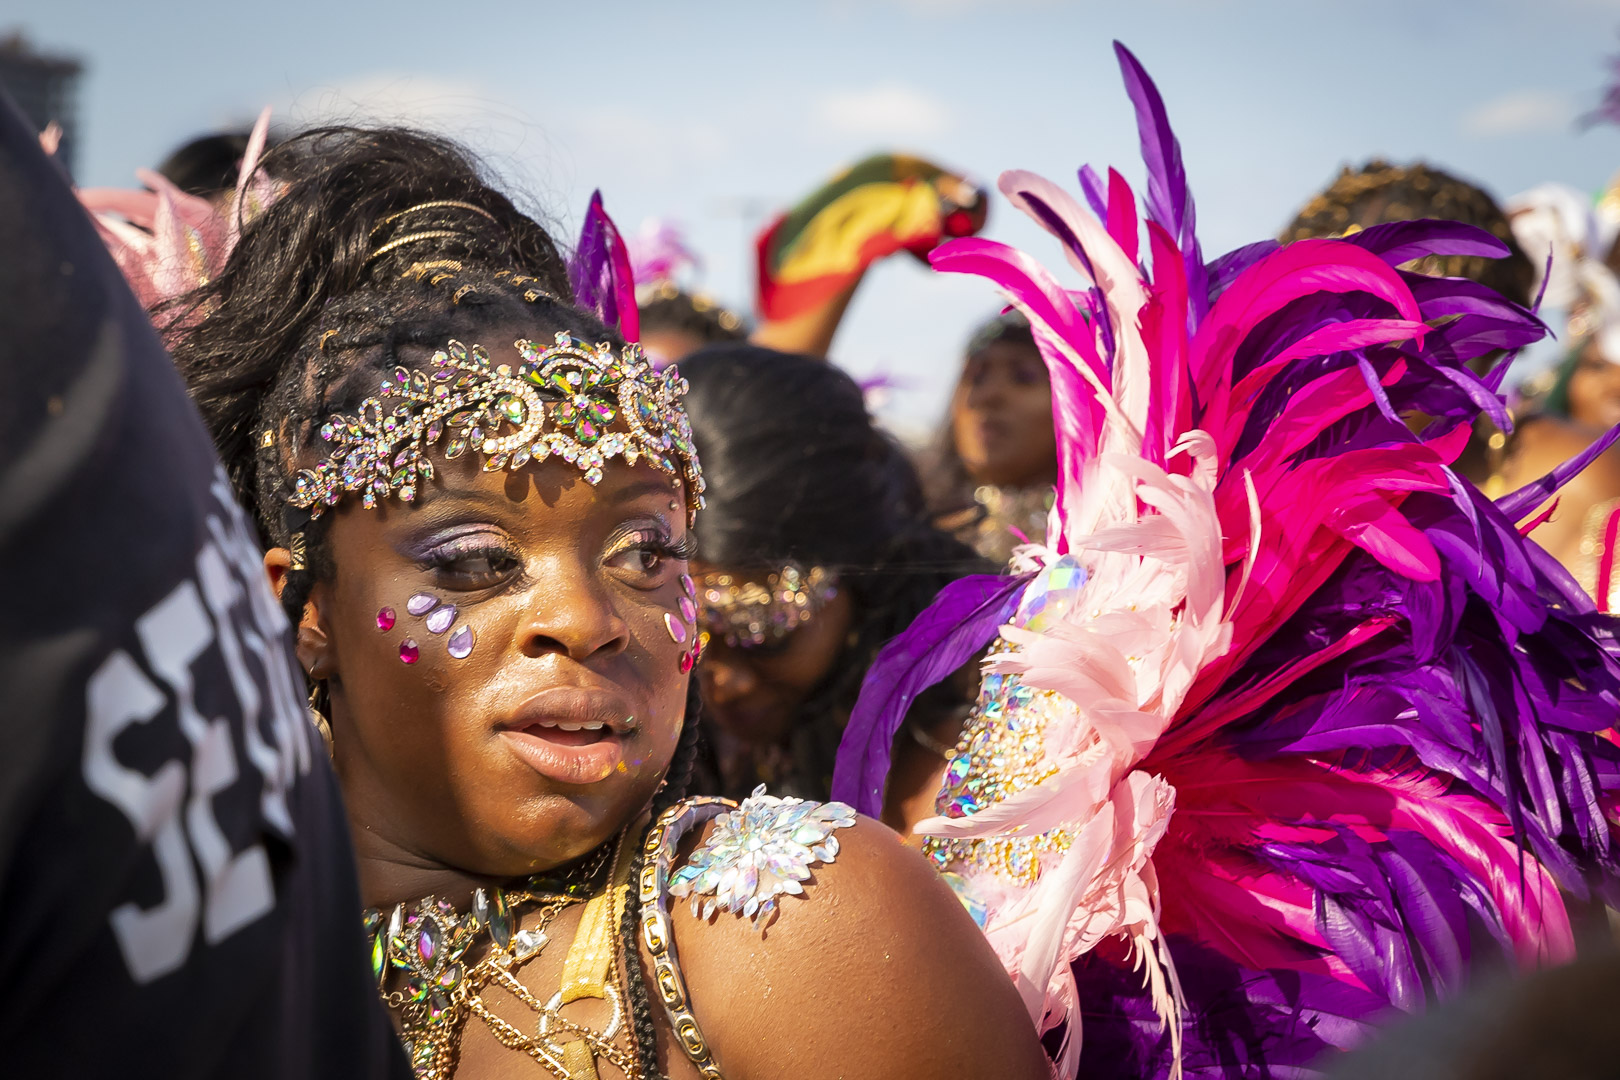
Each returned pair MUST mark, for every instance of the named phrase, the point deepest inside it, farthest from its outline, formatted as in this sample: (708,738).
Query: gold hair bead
(419,270)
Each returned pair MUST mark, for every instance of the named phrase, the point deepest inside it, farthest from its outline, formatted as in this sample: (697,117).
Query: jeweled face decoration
(500,658)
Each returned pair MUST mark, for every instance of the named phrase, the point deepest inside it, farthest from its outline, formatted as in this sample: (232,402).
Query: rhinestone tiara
(580,403)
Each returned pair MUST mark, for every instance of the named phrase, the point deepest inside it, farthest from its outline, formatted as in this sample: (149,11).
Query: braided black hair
(798,472)
(643,1029)
(380,239)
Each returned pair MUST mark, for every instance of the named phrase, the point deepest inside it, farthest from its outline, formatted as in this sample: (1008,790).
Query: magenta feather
(600,273)
(1380,709)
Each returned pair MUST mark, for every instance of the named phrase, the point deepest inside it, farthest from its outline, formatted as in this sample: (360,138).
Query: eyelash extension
(455,549)
(656,541)
(684,548)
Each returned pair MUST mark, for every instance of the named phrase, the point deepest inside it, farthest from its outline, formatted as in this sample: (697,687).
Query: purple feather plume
(964,618)
(600,273)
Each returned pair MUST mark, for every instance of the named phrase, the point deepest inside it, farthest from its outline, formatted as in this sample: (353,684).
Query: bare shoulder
(1546,442)
(873,970)
(1543,445)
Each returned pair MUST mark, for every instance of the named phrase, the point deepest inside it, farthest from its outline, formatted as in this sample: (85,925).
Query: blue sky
(715,114)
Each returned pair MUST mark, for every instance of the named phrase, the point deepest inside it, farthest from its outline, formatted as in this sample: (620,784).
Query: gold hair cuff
(746,613)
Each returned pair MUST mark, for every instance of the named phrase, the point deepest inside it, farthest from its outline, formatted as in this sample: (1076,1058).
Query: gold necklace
(418,961)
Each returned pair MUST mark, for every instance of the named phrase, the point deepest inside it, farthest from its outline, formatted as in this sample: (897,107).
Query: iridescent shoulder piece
(756,852)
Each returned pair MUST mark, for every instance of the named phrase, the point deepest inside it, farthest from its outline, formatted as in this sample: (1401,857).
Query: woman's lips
(571,735)
(568,757)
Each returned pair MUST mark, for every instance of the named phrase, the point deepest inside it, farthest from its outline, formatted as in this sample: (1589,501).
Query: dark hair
(676,781)
(946,482)
(332,279)
(207,165)
(320,294)
(665,306)
(798,471)
(1379,192)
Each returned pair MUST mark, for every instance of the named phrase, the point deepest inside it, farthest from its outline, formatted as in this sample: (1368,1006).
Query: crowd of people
(477,653)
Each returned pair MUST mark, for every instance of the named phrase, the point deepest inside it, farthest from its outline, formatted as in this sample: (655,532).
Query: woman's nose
(573,615)
(986,391)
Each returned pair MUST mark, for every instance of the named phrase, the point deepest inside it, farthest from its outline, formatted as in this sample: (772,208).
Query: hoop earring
(317,714)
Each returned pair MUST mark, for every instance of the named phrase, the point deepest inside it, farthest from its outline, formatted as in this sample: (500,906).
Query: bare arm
(810,333)
(877,972)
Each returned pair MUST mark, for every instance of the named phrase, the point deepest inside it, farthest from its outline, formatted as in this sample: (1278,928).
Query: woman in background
(992,469)
(814,550)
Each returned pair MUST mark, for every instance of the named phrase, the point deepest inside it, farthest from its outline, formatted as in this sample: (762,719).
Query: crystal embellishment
(460,645)
(558,402)
(421,603)
(385,619)
(677,629)
(758,852)
(440,619)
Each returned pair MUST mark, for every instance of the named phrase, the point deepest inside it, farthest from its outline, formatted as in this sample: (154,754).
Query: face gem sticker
(688,610)
(460,645)
(385,619)
(408,651)
(677,629)
(688,587)
(440,619)
(421,603)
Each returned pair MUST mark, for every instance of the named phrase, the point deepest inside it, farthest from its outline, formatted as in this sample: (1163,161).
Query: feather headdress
(168,242)
(1285,717)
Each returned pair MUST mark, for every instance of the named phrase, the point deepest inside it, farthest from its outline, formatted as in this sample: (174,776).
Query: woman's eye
(475,569)
(644,560)
(646,556)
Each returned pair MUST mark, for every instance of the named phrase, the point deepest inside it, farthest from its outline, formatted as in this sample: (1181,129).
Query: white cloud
(1522,112)
(889,110)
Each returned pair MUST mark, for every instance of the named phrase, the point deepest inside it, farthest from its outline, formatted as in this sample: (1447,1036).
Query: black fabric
(177,891)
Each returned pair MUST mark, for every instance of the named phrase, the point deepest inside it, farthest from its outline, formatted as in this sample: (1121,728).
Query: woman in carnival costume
(477,502)
(1285,726)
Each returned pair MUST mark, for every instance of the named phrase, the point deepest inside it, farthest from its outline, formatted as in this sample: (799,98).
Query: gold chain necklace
(418,960)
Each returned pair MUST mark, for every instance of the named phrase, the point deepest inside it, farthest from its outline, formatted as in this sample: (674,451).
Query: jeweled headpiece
(747,613)
(584,404)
